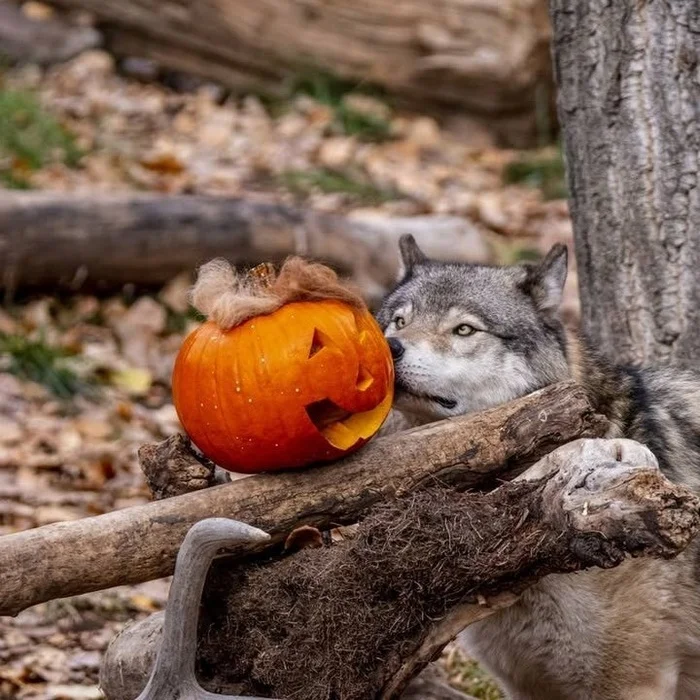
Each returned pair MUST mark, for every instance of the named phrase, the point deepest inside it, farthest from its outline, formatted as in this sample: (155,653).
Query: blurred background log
(490,58)
(65,241)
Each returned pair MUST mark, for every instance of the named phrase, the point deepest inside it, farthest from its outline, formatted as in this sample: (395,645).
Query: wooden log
(55,240)
(489,57)
(140,543)
(362,618)
(26,40)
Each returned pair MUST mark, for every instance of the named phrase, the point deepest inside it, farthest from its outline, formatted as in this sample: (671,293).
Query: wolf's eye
(399,321)
(464,329)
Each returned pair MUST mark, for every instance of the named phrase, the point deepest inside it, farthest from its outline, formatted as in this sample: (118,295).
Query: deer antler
(173,676)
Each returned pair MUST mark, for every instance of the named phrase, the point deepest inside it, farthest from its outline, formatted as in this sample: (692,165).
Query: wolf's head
(467,337)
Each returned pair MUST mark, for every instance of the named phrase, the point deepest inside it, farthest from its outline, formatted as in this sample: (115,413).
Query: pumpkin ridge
(222,409)
(200,408)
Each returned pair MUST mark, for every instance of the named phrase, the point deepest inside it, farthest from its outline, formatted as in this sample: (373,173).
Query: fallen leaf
(135,381)
(144,603)
(96,428)
(303,537)
(164,164)
(73,692)
(10,432)
(175,294)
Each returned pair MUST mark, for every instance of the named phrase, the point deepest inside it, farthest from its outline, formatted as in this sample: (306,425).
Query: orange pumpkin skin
(311,382)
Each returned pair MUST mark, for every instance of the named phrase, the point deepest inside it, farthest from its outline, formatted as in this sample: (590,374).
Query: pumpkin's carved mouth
(324,413)
(341,428)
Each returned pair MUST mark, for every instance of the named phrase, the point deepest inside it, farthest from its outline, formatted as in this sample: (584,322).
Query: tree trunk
(53,240)
(629,106)
(140,543)
(488,56)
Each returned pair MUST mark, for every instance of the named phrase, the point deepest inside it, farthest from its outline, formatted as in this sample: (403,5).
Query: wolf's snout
(397,348)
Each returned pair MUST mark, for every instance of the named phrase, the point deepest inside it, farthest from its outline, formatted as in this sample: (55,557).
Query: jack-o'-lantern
(290,369)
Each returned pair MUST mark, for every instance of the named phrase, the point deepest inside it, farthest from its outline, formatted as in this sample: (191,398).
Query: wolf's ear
(411,254)
(545,281)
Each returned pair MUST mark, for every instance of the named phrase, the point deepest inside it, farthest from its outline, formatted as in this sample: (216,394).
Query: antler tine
(173,676)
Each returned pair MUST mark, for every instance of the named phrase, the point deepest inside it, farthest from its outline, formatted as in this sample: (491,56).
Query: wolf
(467,337)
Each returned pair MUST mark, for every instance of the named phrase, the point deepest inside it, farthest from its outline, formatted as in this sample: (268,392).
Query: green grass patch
(366,127)
(544,170)
(177,322)
(30,138)
(331,91)
(11,179)
(470,678)
(306,182)
(37,361)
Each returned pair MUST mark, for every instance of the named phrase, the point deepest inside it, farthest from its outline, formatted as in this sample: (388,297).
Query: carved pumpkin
(310,381)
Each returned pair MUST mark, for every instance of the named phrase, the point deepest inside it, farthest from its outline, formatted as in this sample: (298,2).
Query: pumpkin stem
(263,275)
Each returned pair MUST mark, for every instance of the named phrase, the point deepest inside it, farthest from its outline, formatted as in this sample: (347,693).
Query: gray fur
(632,633)
(515,349)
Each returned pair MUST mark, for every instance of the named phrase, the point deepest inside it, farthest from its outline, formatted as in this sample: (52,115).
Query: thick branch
(57,240)
(140,543)
(359,619)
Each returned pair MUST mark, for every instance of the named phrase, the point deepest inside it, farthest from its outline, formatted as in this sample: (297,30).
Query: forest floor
(84,381)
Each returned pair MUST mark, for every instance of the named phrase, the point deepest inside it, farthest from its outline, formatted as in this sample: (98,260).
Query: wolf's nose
(397,348)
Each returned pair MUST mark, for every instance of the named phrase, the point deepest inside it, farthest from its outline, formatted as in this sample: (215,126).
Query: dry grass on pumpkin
(229,297)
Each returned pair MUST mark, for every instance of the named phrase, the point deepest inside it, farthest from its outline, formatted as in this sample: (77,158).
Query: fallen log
(359,619)
(140,543)
(55,240)
(488,57)
(27,40)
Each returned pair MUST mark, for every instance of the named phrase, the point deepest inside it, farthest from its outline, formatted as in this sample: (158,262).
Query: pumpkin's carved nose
(397,348)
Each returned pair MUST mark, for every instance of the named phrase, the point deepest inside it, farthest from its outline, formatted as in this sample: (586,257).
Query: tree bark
(64,241)
(629,107)
(490,57)
(140,543)
(360,619)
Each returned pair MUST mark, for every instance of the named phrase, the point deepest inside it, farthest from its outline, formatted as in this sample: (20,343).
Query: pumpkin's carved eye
(319,341)
(364,379)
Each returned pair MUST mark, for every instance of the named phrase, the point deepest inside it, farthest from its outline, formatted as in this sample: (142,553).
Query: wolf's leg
(689,679)
(663,687)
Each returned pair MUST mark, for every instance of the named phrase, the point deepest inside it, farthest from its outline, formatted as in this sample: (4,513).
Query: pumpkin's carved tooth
(324,413)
